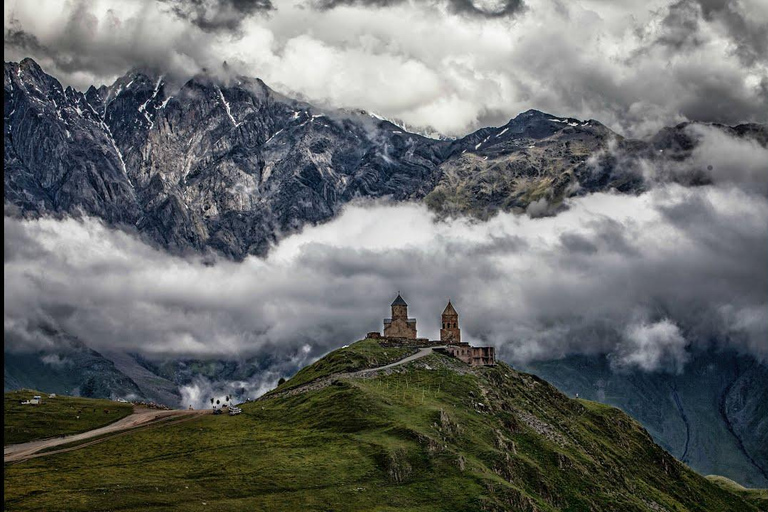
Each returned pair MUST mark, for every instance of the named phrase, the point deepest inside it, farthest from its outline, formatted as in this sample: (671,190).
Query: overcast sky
(453,65)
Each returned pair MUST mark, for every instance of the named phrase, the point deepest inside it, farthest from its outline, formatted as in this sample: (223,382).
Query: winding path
(141,418)
(418,355)
(146,418)
(366,372)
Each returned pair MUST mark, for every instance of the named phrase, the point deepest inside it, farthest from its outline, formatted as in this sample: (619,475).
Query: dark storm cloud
(750,35)
(714,96)
(455,66)
(218,15)
(16,38)
(681,28)
(492,9)
(488,9)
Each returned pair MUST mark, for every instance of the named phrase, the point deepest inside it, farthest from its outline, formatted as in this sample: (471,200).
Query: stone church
(400,327)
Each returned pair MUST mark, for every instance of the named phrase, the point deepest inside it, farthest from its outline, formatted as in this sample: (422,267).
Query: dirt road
(140,418)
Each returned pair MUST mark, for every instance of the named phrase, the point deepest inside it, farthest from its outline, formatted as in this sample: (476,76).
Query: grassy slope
(758,497)
(358,356)
(55,416)
(430,436)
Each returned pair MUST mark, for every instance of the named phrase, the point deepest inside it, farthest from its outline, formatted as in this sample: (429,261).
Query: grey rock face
(535,158)
(210,165)
(59,156)
(230,166)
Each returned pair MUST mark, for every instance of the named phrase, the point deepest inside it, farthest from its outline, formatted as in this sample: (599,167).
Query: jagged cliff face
(59,155)
(233,165)
(220,165)
(535,158)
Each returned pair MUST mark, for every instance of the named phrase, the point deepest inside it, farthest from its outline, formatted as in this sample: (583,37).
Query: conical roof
(449,309)
(399,301)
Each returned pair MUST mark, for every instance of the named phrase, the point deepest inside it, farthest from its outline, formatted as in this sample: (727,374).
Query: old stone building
(400,326)
(473,356)
(450,334)
(449,328)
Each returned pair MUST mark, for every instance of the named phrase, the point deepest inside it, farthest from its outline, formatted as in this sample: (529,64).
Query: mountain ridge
(231,166)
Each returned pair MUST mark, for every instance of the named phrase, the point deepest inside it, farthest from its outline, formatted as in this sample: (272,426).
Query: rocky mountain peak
(226,164)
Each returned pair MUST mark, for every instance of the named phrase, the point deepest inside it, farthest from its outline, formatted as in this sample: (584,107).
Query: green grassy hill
(430,435)
(758,497)
(367,353)
(55,416)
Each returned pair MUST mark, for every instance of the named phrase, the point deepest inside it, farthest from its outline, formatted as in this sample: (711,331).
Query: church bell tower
(449,331)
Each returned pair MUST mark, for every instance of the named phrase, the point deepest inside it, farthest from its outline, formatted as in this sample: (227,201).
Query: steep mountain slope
(433,434)
(69,368)
(535,158)
(712,417)
(231,165)
(219,165)
(58,153)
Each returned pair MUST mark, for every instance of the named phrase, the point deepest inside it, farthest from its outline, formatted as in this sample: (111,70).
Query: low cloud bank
(199,393)
(644,279)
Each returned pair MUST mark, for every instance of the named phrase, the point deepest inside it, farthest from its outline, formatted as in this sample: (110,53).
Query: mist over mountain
(218,199)
(456,66)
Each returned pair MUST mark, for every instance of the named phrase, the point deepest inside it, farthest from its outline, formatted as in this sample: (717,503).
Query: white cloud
(56,360)
(692,258)
(635,66)
(652,346)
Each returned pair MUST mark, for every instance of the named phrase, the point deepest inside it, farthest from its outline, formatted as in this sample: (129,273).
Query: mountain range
(230,166)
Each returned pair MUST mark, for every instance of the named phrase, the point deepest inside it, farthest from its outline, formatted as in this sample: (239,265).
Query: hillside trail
(366,372)
(144,418)
(418,355)
(141,418)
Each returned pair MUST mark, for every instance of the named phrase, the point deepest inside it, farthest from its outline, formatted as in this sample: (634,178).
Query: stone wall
(410,342)
(400,328)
